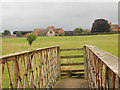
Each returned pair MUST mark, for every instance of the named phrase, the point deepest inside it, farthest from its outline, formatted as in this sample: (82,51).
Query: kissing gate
(41,68)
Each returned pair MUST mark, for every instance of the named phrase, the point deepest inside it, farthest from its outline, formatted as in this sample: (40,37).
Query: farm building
(50,31)
(114,27)
(24,33)
(69,33)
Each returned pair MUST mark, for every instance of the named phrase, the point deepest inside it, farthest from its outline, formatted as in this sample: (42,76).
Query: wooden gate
(71,71)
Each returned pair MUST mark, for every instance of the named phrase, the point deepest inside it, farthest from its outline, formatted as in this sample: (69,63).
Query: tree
(100,25)
(61,34)
(30,38)
(18,34)
(85,31)
(7,32)
(78,31)
(1,34)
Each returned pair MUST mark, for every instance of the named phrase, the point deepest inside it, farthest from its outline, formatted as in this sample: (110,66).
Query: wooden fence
(38,68)
(101,68)
(72,72)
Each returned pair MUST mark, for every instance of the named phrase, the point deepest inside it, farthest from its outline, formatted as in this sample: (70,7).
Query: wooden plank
(106,58)
(85,63)
(80,70)
(1,76)
(70,64)
(59,62)
(11,83)
(75,56)
(25,52)
(75,74)
(16,74)
(72,49)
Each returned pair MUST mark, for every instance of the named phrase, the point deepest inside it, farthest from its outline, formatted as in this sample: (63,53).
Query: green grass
(108,43)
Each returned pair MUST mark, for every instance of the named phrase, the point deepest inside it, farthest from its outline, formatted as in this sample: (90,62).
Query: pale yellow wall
(51,34)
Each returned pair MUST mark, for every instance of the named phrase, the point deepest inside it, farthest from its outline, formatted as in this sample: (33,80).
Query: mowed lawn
(108,43)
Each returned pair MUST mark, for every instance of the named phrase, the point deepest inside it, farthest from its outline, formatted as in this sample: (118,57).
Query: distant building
(69,32)
(114,27)
(43,32)
(24,33)
(50,31)
(58,31)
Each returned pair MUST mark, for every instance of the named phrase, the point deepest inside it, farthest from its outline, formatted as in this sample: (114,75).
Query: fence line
(38,68)
(101,68)
(72,71)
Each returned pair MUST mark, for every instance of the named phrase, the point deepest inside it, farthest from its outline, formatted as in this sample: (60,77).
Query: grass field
(108,43)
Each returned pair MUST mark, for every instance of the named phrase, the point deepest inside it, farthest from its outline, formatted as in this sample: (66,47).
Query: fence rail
(72,49)
(68,71)
(38,68)
(101,68)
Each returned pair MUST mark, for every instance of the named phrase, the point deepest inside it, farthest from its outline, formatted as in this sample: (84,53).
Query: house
(24,33)
(114,27)
(58,31)
(43,32)
(50,31)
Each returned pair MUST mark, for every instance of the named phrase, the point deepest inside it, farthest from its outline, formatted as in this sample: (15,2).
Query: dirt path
(72,83)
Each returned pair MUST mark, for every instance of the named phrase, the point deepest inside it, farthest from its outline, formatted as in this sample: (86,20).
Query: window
(50,31)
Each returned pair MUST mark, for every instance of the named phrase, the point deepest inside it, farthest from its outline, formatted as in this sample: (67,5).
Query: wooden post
(11,83)
(101,74)
(110,77)
(106,77)
(59,61)
(47,69)
(85,63)
(31,83)
(16,74)
(1,74)
(118,82)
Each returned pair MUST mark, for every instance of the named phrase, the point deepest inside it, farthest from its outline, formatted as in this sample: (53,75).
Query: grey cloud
(68,15)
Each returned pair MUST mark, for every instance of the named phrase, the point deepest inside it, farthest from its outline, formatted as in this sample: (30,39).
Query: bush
(56,35)
(1,34)
(7,32)
(61,34)
(18,34)
(78,31)
(30,38)
(86,32)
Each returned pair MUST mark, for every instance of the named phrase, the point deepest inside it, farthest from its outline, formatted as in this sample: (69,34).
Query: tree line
(98,26)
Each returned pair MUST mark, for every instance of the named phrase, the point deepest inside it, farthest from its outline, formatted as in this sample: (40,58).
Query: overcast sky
(66,15)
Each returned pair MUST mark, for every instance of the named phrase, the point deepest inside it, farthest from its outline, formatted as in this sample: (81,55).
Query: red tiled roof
(51,27)
(115,29)
(89,30)
(42,31)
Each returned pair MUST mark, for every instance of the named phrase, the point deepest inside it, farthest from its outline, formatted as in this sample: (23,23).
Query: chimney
(110,23)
